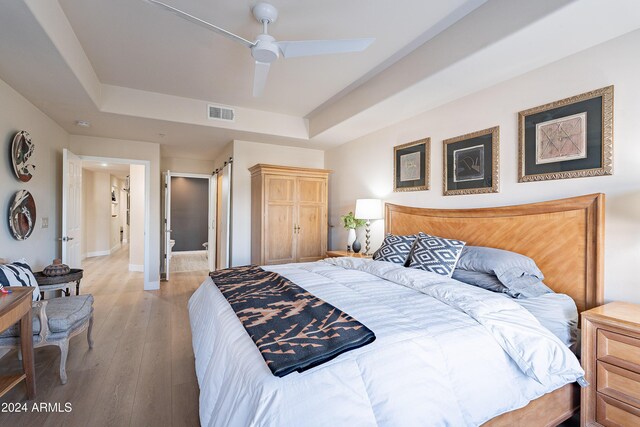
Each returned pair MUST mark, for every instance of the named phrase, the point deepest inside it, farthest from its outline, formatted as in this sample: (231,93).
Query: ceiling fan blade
(260,77)
(200,22)
(322,47)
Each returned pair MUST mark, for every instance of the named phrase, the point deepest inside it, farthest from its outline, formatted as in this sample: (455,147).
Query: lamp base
(367,240)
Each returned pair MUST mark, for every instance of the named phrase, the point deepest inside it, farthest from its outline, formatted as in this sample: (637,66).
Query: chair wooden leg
(89,329)
(64,352)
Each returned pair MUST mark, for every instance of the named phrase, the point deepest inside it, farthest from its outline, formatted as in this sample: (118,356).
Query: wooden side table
(14,307)
(63,282)
(611,361)
(335,254)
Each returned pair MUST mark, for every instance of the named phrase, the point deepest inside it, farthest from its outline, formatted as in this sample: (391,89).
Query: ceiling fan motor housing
(266,49)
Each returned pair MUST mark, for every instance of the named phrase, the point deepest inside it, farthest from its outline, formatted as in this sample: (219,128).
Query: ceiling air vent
(221,113)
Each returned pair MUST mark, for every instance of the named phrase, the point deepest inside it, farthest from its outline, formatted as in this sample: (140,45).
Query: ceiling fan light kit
(266,49)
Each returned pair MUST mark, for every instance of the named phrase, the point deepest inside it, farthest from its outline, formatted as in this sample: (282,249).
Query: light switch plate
(45,222)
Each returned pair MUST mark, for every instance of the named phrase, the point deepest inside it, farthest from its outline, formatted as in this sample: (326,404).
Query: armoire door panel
(280,189)
(280,246)
(312,235)
(312,190)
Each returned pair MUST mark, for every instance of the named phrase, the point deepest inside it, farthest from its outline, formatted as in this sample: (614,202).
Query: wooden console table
(15,307)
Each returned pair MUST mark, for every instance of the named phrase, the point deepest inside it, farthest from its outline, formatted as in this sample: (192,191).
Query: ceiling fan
(266,49)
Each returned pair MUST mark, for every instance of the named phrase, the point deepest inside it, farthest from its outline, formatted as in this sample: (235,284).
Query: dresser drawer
(620,350)
(618,383)
(613,413)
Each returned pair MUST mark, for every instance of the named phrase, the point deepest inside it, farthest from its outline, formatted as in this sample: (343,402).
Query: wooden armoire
(288,214)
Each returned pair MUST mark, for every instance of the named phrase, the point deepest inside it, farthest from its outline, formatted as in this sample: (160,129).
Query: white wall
(96,201)
(132,150)
(245,155)
(136,233)
(187,165)
(16,114)
(364,167)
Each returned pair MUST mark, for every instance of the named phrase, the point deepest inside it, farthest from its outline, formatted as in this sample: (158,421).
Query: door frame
(212,208)
(147,207)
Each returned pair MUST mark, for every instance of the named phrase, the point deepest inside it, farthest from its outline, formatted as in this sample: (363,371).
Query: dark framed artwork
(471,163)
(570,138)
(411,166)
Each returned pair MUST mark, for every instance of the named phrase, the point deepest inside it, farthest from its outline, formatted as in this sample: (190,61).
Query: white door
(167,223)
(213,197)
(224,257)
(71,209)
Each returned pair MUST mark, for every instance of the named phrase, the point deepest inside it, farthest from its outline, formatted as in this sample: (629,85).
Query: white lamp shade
(368,209)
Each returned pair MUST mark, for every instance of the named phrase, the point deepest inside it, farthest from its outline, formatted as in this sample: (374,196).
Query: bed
(432,363)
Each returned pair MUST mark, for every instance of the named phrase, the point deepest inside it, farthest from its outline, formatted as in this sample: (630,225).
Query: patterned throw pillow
(19,274)
(395,249)
(436,254)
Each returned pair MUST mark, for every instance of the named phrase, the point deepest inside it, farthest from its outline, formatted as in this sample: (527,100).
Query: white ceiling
(136,72)
(137,45)
(118,170)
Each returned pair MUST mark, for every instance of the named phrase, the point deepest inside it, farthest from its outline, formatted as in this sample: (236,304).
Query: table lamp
(368,209)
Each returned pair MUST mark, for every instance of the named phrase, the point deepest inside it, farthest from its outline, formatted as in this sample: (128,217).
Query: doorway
(189,223)
(117,226)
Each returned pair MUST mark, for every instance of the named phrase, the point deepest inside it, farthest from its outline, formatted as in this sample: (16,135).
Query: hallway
(141,368)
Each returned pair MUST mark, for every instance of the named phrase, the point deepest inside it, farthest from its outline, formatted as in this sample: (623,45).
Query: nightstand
(335,254)
(611,360)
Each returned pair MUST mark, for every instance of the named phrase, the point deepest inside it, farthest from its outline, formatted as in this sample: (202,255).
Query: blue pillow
(436,254)
(491,283)
(477,278)
(510,268)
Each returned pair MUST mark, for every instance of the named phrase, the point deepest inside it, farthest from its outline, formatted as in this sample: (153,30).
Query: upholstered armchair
(55,322)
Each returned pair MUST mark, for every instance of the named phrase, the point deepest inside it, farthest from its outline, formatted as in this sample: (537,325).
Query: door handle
(65,238)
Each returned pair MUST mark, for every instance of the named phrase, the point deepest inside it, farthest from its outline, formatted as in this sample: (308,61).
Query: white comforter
(446,354)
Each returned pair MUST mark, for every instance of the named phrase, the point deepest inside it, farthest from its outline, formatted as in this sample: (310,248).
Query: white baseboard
(115,248)
(125,240)
(98,253)
(136,267)
(152,286)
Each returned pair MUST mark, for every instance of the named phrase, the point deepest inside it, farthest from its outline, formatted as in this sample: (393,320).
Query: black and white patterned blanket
(293,329)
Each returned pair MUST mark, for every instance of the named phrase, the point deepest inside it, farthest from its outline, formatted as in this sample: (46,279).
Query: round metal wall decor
(22,215)
(21,151)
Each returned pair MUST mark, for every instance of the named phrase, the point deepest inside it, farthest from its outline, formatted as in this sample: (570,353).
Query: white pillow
(19,273)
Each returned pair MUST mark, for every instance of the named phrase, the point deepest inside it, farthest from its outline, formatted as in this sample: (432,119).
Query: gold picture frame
(417,155)
(471,163)
(583,149)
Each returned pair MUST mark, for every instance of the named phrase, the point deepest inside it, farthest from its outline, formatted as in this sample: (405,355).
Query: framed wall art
(570,138)
(471,163)
(21,151)
(22,215)
(411,166)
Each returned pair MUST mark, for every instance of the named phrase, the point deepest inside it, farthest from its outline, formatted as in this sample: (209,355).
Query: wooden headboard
(564,237)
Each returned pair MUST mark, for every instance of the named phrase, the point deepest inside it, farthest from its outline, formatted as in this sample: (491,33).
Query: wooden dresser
(611,360)
(288,214)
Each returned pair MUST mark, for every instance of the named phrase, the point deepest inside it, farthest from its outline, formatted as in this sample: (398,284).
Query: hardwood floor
(140,371)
